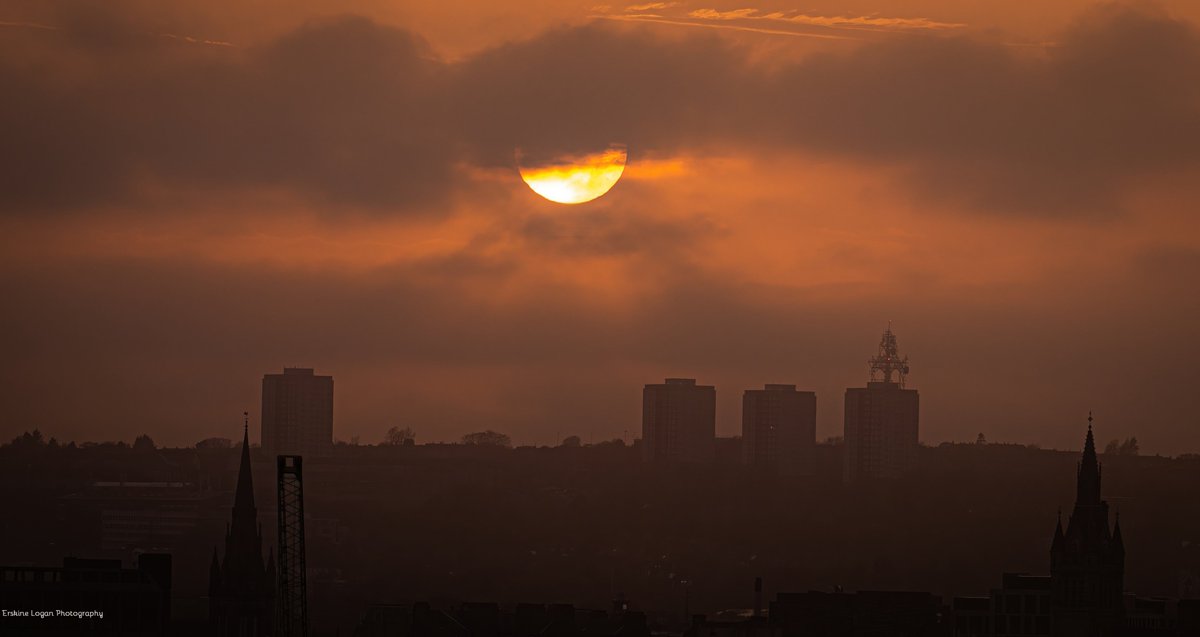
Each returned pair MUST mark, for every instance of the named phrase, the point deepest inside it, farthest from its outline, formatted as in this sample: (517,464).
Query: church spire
(243,543)
(1118,541)
(1059,538)
(1088,487)
(244,498)
(241,591)
(1087,563)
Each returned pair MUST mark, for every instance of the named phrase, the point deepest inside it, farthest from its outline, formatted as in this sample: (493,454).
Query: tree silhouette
(487,438)
(1128,448)
(397,436)
(29,440)
(215,443)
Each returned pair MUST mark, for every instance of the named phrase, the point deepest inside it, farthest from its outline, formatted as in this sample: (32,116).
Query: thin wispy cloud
(26,25)
(684,22)
(873,22)
(171,36)
(749,19)
(649,6)
(191,40)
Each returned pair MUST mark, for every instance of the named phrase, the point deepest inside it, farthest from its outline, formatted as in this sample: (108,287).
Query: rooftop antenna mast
(888,361)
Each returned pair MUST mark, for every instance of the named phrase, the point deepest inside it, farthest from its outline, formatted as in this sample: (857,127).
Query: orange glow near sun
(577,179)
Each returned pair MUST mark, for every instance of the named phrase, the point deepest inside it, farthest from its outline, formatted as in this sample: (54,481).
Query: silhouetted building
(1150,616)
(913,614)
(881,419)
(492,620)
(1087,561)
(141,517)
(297,413)
(241,588)
(972,616)
(730,624)
(679,421)
(1187,616)
(87,596)
(1022,605)
(779,429)
(747,622)
(1188,558)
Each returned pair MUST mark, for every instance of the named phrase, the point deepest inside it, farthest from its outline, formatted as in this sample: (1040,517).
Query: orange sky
(195,198)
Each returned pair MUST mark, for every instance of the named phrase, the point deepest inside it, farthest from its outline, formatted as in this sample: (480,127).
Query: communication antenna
(888,361)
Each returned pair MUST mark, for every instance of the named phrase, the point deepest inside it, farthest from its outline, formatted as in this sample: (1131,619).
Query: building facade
(297,413)
(679,422)
(139,517)
(779,429)
(1021,606)
(881,420)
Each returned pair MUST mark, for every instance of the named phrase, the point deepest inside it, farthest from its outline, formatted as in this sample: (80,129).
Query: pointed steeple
(244,499)
(1118,541)
(243,559)
(1059,537)
(214,574)
(1089,445)
(1087,563)
(240,590)
(1088,487)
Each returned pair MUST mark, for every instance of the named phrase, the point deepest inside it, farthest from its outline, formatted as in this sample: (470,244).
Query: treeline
(395,437)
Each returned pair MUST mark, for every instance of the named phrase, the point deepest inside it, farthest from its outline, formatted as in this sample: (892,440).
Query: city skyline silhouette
(557,318)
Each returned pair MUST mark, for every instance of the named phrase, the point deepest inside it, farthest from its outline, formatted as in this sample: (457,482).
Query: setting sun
(576,179)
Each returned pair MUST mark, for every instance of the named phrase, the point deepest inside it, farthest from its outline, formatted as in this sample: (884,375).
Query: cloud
(191,40)
(649,6)
(977,123)
(348,113)
(832,22)
(651,18)
(339,112)
(25,25)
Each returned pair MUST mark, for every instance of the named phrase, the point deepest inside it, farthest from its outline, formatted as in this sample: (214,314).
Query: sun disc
(575,179)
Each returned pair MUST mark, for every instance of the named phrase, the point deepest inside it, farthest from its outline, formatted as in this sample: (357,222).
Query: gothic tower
(1087,562)
(241,588)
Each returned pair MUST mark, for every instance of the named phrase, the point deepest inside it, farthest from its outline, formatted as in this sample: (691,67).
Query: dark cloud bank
(352,113)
